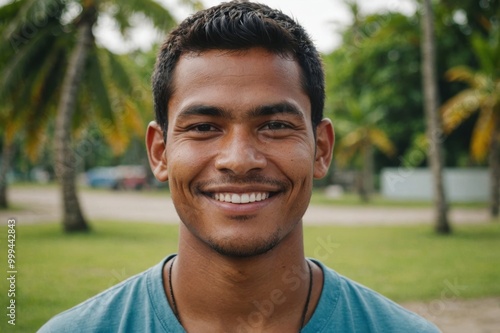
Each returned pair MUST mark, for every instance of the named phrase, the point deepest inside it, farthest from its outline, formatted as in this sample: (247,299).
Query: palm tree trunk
(7,152)
(494,159)
(368,171)
(361,186)
(73,219)
(434,128)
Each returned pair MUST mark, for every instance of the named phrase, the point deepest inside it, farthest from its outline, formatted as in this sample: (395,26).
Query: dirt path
(461,316)
(42,205)
(451,315)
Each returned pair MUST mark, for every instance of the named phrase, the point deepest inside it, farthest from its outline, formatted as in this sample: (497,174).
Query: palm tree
(65,165)
(359,134)
(84,87)
(429,82)
(483,96)
(29,73)
(7,153)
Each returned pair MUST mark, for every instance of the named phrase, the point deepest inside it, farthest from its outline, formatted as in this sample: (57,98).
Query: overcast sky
(320,18)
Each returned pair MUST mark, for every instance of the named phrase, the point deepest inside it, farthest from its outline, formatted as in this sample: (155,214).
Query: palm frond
(349,146)
(42,106)
(345,154)
(16,22)
(159,16)
(459,108)
(34,15)
(465,74)
(416,154)
(12,127)
(14,72)
(352,139)
(7,12)
(487,51)
(98,92)
(380,140)
(40,87)
(113,67)
(117,138)
(482,134)
(132,119)
(343,126)
(194,4)
(107,104)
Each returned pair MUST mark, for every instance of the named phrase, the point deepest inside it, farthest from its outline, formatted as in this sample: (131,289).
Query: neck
(267,292)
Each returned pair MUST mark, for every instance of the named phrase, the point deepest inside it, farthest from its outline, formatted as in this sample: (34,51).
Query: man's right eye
(203,128)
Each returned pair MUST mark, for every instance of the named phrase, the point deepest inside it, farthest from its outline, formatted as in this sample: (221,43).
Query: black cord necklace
(174,304)
(304,312)
(309,291)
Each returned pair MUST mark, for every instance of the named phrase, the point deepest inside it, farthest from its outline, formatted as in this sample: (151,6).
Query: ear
(156,151)
(325,140)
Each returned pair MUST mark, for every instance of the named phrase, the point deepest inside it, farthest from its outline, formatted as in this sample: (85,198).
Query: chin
(244,248)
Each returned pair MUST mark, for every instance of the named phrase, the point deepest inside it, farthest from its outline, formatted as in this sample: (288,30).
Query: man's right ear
(156,151)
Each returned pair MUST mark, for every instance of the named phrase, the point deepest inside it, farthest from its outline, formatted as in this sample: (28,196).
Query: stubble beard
(248,249)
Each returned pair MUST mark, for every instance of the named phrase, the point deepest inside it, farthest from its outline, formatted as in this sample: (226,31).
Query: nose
(239,153)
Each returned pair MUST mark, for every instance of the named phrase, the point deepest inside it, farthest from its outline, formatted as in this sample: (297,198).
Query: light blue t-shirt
(139,304)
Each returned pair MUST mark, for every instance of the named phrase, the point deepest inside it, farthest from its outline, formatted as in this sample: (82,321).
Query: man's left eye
(276,126)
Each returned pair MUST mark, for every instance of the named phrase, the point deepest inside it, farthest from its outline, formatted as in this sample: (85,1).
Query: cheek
(183,164)
(296,162)
(183,159)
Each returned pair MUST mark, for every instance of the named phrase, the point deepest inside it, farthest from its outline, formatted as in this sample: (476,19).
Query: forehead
(237,80)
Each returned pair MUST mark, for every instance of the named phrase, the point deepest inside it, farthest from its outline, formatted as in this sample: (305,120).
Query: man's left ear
(325,139)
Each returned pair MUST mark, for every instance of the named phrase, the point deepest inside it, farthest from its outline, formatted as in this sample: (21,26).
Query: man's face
(240,154)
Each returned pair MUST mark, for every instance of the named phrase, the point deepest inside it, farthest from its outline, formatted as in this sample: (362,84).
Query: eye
(276,125)
(203,128)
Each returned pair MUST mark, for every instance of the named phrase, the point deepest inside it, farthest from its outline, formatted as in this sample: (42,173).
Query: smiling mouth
(242,198)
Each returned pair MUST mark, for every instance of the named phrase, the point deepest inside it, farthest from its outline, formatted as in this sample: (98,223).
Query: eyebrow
(277,108)
(259,111)
(204,110)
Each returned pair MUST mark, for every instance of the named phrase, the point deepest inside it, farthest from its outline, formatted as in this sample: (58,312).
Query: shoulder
(102,312)
(361,309)
(122,307)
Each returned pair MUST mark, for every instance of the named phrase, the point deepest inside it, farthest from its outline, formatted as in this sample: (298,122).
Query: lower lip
(242,209)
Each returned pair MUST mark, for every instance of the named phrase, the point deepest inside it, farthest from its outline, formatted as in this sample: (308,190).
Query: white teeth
(235,198)
(242,198)
(245,198)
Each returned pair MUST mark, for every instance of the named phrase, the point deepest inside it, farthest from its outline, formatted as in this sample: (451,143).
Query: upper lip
(250,188)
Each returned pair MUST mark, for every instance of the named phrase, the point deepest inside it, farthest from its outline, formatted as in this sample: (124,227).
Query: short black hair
(239,25)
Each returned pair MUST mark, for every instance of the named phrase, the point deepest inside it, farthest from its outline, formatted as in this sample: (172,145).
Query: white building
(461,185)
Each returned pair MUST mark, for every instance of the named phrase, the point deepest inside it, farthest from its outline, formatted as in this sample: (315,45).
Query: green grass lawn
(57,271)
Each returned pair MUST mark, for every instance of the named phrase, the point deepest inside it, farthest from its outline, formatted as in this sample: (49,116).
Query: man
(240,136)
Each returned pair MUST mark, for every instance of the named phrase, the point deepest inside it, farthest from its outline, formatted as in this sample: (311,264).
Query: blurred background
(413,90)
(372,56)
